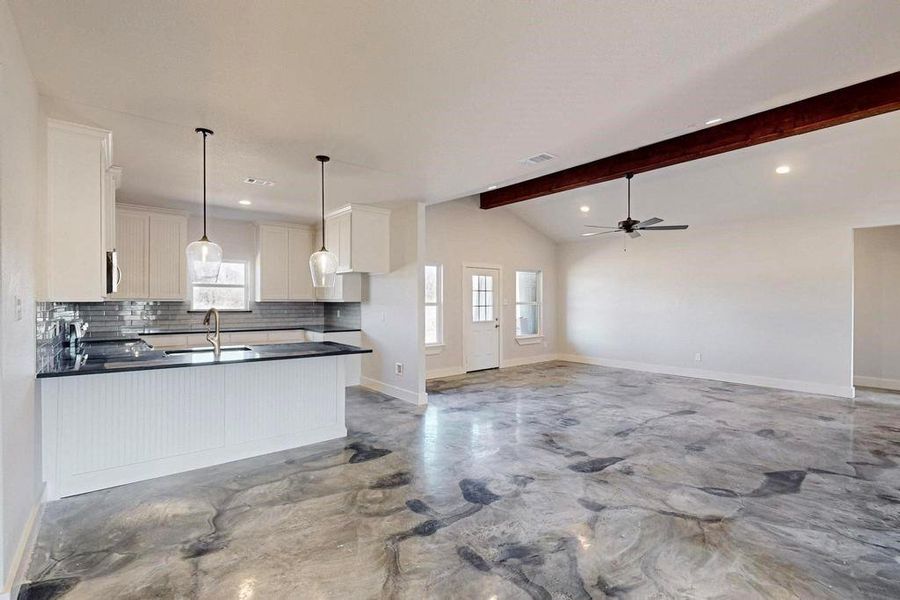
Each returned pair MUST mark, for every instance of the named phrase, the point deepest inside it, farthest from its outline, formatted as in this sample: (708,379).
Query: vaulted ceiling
(420,100)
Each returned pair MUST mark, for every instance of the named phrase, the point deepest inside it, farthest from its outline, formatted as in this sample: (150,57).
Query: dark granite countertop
(135,355)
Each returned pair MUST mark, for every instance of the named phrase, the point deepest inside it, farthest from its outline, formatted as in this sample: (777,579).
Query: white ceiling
(833,172)
(420,99)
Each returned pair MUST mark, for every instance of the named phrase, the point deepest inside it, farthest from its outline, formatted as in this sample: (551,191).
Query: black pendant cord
(205,132)
(323,159)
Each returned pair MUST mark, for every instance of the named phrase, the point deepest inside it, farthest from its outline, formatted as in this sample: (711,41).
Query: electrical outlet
(398,368)
(339,313)
(698,357)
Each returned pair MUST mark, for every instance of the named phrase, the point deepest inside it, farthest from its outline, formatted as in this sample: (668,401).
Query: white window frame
(439,303)
(246,288)
(532,338)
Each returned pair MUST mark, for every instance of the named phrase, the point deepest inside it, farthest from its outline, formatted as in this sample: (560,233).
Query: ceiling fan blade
(601,227)
(634,234)
(598,233)
(652,221)
(664,228)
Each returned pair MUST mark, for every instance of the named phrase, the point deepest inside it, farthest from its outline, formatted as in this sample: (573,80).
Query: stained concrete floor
(555,481)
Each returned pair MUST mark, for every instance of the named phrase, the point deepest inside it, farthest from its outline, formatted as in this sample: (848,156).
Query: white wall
(237,238)
(763,303)
(392,312)
(21,135)
(876,326)
(459,233)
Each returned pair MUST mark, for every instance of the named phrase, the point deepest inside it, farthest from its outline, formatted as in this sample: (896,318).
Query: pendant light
(323,264)
(203,256)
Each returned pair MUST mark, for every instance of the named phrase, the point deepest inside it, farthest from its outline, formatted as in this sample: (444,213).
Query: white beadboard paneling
(115,428)
(126,418)
(271,399)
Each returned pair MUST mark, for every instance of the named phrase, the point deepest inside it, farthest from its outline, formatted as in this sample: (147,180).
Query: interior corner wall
(459,233)
(876,292)
(21,135)
(392,312)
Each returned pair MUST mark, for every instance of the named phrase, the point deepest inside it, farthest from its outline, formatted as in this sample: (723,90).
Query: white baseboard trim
(19,564)
(527,360)
(444,372)
(394,391)
(877,382)
(809,387)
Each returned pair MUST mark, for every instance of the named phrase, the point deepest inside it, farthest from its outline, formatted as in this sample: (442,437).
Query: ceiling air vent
(537,159)
(255,181)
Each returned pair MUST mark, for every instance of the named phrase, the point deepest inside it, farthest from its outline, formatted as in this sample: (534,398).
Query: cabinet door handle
(119,274)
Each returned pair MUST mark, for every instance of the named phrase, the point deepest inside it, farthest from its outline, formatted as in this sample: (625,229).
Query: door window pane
(482,298)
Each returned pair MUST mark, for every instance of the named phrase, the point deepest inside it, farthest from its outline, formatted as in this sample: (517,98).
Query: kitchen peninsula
(123,411)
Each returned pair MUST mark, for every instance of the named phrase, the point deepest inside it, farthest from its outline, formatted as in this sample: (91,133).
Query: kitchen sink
(206,349)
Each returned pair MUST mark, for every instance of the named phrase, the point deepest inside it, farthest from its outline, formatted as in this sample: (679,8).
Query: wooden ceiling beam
(859,101)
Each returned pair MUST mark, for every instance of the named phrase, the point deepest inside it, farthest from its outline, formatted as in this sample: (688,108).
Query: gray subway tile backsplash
(127,318)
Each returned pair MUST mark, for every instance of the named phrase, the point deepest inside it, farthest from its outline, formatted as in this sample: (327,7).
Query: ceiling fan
(633,227)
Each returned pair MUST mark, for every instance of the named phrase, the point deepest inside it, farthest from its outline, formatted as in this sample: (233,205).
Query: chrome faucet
(213,338)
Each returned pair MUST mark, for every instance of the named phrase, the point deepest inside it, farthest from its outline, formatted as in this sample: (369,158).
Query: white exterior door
(482,319)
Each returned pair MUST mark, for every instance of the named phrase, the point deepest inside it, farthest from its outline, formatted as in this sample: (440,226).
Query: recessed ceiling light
(585,209)
(714,121)
(492,187)
(245,202)
(783,169)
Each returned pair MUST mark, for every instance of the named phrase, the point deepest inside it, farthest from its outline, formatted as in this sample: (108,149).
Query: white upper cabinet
(151,245)
(168,263)
(282,263)
(132,231)
(80,213)
(360,237)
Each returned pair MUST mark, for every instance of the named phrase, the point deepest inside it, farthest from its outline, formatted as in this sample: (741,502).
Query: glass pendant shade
(323,264)
(204,259)
(323,267)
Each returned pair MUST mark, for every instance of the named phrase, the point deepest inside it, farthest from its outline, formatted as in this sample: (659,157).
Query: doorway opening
(876,307)
(481,319)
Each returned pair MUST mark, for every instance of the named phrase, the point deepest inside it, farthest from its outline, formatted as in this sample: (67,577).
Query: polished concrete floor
(548,481)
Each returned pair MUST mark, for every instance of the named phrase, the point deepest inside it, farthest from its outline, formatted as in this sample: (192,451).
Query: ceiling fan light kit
(633,227)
